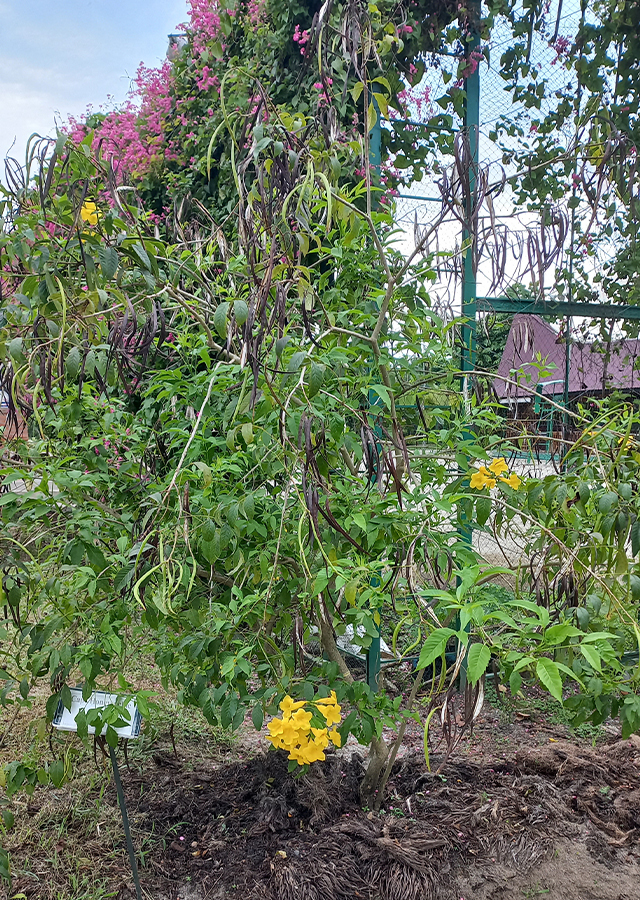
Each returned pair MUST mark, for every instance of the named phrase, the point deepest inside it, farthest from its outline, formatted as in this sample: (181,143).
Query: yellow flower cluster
(89,213)
(295,733)
(488,476)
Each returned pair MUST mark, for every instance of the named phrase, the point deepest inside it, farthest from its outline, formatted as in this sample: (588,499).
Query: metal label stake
(65,720)
(125,823)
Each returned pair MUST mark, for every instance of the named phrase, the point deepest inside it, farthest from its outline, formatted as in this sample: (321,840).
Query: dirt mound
(253,830)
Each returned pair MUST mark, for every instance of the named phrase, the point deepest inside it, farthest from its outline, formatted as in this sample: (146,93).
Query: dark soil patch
(481,830)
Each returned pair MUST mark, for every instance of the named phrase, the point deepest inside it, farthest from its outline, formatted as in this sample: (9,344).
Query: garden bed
(479,830)
(538,816)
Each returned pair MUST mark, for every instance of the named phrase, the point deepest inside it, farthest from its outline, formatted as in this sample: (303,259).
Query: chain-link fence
(543,355)
(514,241)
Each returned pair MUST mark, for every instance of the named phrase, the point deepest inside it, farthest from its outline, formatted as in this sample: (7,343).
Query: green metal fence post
(469,282)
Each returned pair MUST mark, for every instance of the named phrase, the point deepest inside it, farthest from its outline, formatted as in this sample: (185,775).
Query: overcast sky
(59,56)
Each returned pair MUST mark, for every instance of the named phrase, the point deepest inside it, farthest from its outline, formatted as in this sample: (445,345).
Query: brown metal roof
(535,353)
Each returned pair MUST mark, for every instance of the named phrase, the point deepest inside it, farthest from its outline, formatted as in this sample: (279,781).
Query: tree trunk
(378,749)
(377,758)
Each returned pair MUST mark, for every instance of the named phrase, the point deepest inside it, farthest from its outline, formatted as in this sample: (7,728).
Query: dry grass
(68,842)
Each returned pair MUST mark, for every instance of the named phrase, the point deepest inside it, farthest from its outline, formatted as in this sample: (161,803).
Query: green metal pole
(469,283)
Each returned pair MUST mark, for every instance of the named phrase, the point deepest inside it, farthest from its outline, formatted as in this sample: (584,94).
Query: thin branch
(194,431)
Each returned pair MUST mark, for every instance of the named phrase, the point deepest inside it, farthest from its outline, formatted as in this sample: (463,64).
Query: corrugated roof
(535,353)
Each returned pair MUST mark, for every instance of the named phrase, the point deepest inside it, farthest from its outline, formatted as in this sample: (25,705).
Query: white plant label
(65,719)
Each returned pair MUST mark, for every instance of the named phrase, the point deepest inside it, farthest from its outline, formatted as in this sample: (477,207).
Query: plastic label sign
(65,719)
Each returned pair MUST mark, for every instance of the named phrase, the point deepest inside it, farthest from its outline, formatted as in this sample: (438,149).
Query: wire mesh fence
(515,239)
(539,364)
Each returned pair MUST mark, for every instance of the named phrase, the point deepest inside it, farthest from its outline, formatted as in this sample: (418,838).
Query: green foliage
(247,435)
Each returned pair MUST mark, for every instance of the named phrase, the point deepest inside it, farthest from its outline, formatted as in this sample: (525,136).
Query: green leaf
(626,491)
(634,585)
(240,311)
(380,79)
(320,582)
(357,90)
(622,563)
(24,688)
(345,729)
(220,319)
(141,256)
(56,772)
(383,105)
(434,646)
(483,509)
(372,116)
(635,538)
(66,696)
(383,392)
(232,512)
(247,433)
(208,529)
(316,378)
(249,507)
(257,716)
(8,818)
(72,363)
(583,617)
(109,261)
(15,350)
(294,363)
(82,724)
(592,656)
(477,661)
(607,501)
(350,591)
(549,674)
(5,870)
(559,633)
(515,682)
(226,536)
(630,716)
(211,548)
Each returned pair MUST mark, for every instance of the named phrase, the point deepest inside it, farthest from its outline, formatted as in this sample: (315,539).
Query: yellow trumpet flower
(89,213)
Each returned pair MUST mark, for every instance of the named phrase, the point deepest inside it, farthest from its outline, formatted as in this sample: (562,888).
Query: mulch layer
(251,830)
